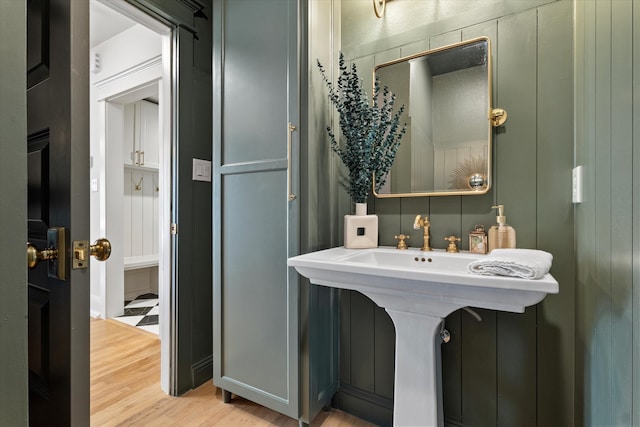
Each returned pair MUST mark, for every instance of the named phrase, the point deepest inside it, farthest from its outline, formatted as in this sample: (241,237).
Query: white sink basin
(435,283)
(418,290)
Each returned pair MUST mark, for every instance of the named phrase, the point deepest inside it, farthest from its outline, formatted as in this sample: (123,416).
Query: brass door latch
(101,250)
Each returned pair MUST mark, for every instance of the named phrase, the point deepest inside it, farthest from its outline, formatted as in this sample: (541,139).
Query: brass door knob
(101,249)
(34,255)
(55,254)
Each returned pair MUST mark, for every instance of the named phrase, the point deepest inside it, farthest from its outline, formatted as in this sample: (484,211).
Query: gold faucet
(426,225)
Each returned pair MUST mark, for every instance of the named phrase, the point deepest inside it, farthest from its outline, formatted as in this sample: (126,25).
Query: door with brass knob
(56,144)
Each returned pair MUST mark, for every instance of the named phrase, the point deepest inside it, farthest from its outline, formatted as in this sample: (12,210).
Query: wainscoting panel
(511,368)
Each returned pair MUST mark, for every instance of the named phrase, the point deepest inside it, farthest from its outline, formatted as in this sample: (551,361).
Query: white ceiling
(105,23)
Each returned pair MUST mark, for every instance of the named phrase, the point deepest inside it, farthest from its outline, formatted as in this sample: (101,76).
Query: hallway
(125,389)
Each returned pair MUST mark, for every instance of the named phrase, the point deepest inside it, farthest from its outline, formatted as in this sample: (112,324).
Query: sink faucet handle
(401,243)
(452,248)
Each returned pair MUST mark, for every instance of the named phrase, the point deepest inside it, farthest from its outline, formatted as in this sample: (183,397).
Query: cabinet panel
(141,145)
(255,292)
(147,116)
(256,90)
(275,340)
(256,333)
(128,142)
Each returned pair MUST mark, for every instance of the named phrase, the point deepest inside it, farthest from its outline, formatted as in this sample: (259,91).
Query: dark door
(58,177)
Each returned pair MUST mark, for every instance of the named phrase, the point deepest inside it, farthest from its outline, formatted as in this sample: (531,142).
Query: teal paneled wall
(510,369)
(608,222)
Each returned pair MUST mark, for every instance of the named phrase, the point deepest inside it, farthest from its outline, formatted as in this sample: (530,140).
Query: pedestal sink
(418,290)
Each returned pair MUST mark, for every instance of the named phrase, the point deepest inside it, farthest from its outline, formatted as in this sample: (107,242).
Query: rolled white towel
(524,263)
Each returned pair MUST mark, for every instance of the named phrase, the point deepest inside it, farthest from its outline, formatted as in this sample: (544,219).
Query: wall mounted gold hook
(378,7)
(498,117)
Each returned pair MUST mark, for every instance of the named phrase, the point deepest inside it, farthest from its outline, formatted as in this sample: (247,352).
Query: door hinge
(174,228)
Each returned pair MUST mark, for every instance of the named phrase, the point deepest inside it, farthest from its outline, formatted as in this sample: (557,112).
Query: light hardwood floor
(125,389)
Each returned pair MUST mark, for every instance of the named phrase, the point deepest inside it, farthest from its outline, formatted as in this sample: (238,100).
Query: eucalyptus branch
(371,130)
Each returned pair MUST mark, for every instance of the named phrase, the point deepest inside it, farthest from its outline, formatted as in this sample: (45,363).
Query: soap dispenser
(501,235)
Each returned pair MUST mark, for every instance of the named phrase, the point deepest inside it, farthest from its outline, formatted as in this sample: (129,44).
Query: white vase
(360,230)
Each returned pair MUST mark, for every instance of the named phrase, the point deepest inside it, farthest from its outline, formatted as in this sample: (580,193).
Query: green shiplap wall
(510,369)
(608,222)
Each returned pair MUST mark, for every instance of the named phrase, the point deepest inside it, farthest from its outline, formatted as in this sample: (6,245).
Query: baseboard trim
(364,404)
(202,371)
(452,423)
(373,398)
(372,407)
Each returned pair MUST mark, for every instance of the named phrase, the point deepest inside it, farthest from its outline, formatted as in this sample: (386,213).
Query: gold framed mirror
(449,117)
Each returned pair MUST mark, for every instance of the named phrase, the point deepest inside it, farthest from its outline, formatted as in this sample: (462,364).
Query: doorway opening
(130,173)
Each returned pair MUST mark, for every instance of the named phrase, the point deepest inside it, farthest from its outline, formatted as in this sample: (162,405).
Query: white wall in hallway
(120,55)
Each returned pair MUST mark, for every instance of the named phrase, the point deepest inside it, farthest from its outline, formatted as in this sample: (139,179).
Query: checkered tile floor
(142,313)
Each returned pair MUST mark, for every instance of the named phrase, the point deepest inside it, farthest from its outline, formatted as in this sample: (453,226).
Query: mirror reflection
(447,95)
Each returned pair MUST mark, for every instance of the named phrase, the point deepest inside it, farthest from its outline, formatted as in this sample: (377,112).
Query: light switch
(94,184)
(201,170)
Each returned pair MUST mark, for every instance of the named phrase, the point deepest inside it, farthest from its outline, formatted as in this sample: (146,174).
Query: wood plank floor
(125,389)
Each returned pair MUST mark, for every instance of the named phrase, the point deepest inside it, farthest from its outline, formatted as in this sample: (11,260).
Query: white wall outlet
(94,184)
(201,170)
(577,185)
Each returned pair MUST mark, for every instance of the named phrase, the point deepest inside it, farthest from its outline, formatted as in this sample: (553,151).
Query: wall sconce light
(378,7)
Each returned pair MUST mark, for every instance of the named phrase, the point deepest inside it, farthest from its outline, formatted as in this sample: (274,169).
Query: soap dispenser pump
(501,235)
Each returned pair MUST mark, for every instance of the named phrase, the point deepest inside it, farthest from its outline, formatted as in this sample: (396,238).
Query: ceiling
(105,23)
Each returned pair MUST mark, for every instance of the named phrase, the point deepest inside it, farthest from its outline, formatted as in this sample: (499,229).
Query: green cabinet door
(256,97)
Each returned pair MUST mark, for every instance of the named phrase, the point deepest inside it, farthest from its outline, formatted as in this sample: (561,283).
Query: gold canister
(478,240)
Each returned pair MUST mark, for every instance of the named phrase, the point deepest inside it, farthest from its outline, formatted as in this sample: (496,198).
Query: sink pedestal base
(418,295)
(418,378)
